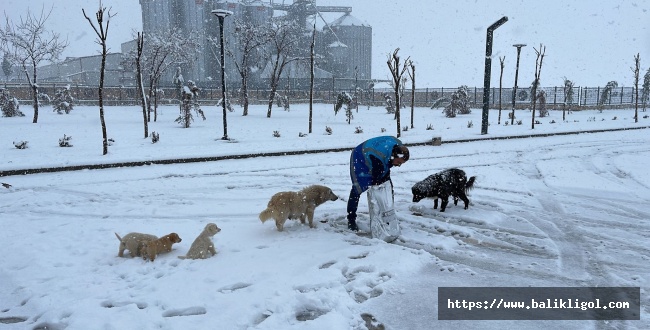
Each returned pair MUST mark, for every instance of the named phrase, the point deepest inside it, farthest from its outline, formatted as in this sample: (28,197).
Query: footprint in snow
(234,287)
(191,311)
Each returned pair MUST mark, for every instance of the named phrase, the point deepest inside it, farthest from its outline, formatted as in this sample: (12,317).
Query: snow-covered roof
(348,20)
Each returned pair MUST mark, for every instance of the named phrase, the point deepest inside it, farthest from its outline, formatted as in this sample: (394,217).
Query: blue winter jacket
(370,162)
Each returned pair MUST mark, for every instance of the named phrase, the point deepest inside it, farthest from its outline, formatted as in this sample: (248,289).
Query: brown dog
(158,246)
(134,242)
(296,205)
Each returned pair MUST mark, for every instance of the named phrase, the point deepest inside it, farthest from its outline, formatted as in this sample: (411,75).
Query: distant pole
(222,14)
(488,72)
(514,92)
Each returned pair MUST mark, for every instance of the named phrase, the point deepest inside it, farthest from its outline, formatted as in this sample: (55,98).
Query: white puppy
(202,247)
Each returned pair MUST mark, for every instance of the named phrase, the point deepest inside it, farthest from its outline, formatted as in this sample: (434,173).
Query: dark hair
(401,151)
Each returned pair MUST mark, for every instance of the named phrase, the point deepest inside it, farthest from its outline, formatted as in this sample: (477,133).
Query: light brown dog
(296,205)
(134,242)
(203,248)
(161,245)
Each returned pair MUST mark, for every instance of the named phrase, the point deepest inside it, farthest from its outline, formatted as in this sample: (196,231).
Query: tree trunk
(311,77)
(397,109)
(155,102)
(34,94)
(500,88)
(275,80)
(151,87)
(412,94)
(274,88)
(637,68)
(101,98)
(244,90)
(140,84)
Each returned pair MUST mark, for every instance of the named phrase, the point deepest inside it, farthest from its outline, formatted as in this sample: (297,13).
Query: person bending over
(370,165)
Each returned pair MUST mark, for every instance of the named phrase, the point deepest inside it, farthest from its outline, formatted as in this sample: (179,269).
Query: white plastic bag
(383,220)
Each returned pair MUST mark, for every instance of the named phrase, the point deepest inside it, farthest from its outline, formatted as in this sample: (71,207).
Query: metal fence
(424,97)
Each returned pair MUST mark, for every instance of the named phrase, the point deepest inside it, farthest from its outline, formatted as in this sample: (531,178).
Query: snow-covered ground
(556,211)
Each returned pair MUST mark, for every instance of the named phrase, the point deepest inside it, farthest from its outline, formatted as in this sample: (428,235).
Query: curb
(434,141)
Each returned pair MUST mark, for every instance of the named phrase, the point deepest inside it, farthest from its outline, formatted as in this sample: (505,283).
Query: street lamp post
(222,14)
(514,92)
(488,72)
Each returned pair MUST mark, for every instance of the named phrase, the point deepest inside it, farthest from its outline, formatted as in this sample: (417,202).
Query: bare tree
(143,98)
(397,72)
(312,55)
(171,47)
(102,34)
(27,44)
(248,43)
(538,70)
(635,69)
(412,76)
(503,65)
(284,38)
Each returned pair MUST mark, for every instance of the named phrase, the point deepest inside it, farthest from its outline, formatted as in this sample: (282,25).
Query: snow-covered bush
(459,103)
(189,102)
(282,101)
(569,93)
(645,94)
(9,104)
(21,144)
(65,141)
(343,98)
(541,100)
(606,94)
(63,101)
(228,105)
(390,107)
(440,102)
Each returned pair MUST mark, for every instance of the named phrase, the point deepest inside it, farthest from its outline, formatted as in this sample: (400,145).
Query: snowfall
(555,210)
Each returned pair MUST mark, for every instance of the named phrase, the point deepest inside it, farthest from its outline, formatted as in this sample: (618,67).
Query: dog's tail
(266,214)
(118,237)
(470,184)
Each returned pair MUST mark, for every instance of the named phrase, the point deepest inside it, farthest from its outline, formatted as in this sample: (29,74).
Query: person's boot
(352,225)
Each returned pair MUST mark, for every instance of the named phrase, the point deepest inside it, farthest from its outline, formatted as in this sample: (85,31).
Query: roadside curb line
(277,154)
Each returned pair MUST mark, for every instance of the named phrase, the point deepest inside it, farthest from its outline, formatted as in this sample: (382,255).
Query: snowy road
(554,211)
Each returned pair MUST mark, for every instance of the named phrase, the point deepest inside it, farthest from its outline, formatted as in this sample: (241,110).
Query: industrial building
(344,46)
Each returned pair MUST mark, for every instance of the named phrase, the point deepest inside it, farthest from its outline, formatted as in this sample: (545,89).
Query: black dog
(451,182)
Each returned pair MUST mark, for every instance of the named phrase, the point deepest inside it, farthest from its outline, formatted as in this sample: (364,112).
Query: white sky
(590,42)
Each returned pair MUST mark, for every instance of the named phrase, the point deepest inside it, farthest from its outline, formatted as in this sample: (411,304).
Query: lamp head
(221,12)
